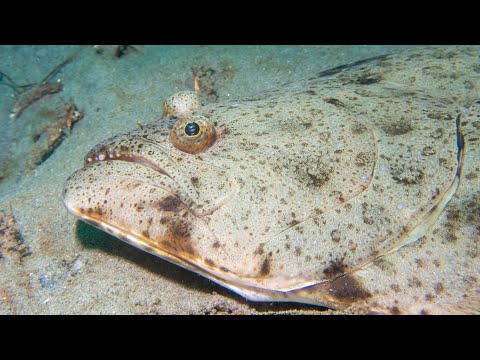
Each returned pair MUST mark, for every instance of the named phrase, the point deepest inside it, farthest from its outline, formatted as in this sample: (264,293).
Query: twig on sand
(26,95)
(11,84)
(27,98)
(117,50)
(50,136)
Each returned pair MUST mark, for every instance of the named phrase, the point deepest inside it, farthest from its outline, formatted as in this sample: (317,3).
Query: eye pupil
(192,129)
(193,135)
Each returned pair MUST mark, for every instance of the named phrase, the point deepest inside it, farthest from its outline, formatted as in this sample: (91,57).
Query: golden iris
(193,135)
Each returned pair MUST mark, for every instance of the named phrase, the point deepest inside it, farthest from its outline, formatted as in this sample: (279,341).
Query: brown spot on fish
(368,220)
(307,124)
(398,128)
(361,159)
(440,116)
(335,268)
(429,297)
(259,249)
(170,203)
(420,263)
(414,282)
(176,236)
(428,150)
(298,251)
(438,287)
(410,175)
(318,180)
(293,222)
(453,214)
(395,287)
(347,289)
(210,262)
(358,128)
(194,181)
(395,310)
(438,133)
(335,234)
(265,268)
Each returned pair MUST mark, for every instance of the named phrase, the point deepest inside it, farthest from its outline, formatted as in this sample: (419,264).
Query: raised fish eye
(192,129)
(193,134)
(181,104)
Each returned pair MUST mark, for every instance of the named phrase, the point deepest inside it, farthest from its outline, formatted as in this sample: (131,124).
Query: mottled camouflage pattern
(355,188)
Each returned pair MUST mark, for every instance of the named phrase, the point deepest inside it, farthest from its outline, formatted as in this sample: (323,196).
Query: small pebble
(47,281)
(77,267)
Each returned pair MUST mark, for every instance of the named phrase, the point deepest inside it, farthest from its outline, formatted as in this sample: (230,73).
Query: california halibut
(356,188)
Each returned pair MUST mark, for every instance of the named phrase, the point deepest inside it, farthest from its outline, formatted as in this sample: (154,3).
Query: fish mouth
(102,153)
(138,191)
(181,175)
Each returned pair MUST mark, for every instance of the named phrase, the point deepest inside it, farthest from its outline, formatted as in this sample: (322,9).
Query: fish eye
(192,129)
(181,104)
(193,134)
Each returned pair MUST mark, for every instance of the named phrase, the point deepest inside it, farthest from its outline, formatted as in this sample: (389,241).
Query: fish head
(232,209)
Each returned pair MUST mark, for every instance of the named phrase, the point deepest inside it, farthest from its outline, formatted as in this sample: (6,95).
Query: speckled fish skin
(355,188)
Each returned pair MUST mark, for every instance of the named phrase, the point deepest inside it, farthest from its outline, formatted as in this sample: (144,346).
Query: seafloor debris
(47,138)
(27,94)
(207,80)
(14,278)
(27,98)
(222,308)
(116,50)
(7,164)
(11,240)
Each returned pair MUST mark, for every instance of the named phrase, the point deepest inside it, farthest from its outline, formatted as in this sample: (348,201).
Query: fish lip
(100,155)
(153,155)
(96,157)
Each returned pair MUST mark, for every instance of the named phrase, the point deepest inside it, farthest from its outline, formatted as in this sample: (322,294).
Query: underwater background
(56,103)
